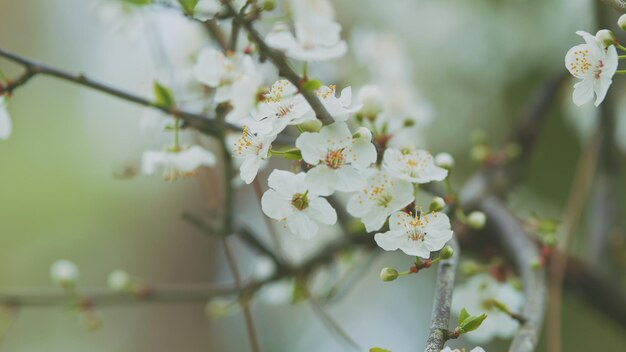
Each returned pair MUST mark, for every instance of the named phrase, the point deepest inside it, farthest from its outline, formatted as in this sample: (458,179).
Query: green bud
(378,349)
(311,85)
(476,220)
(470,267)
(536,264)
(437,204)
(388,274)
(446,252)
(444,160)
(550,240)
(621,22)
(163,95)
(479,152)
(408,122)
(606,37)
(472,323)
(462,316)
(268,5)
(311,126)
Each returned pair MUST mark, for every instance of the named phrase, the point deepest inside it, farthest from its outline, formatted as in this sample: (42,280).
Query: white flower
(317,39)
(64,272)
(217,70)
(476,296)
(594,65)
(382,196)
(340,108)
(338,158)
(176,164)
(475,349)
(244,90)
(253,149)
(5,120)
(280,107)
(119,280)
(290,200)
(415,235)
(373,100)
(412,165)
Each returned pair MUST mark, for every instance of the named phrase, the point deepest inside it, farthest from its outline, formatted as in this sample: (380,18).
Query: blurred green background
(476,61)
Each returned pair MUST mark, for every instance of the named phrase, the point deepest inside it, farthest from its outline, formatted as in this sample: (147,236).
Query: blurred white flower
(382,196)
(244,91)
(475,349)
(219,71)
(340,108)
(476,296)
(64,272)
(5,120)
(119,280)
(444,160)
(412,165)
(373,100)
(280,107)
(176,164)
(253,149)
(289,199)
(415,235)
(313,41)
(337,157)
(594,65)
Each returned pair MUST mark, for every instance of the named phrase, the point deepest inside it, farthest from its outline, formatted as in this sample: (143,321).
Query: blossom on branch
(340,108)
(413,165)
(416,234)
(253,149)
(594,66)
(382,196)
(176,163)
(338,158)
(283,105)
(290,200)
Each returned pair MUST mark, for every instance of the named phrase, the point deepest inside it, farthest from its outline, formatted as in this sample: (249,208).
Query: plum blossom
(64,272)
(176,163)
(475,349)
(594,66)
(415,235)
(337,157)
(280,107)
(244,91)
(477,294)
(5,120)
(253,149)
(412,165)
(290,200)
(218,70)
(340,108)
(382,196)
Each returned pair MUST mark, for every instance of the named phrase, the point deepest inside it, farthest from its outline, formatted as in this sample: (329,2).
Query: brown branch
(278,59)
(440,317)
(524,251)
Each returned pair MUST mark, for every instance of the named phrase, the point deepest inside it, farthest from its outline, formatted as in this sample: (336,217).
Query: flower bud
(479,152)
(606,37)
(476,220)
(437,204)
(268,5)
(388,274)
(363,133)
(621,22)
(444,160)
(64,273)
(470,267)
(536,263)
(119,280)
(446,252)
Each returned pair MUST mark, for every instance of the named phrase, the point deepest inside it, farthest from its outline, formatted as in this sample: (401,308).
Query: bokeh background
(474,61)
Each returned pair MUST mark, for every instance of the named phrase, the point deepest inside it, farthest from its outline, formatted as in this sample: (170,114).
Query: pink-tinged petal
(275,205)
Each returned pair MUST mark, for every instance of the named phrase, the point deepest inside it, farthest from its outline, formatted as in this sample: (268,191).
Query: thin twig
(571,216)
(280,62)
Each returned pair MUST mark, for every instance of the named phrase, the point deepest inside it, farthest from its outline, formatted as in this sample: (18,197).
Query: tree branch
(280,62)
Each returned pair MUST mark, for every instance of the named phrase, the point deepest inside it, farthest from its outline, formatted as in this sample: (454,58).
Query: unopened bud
(388,274)
(437,204)
(536,263)
(479,152)
(120,281)
(606,37)
(64,273)
(444,160)
(268,5)
(363,133)
(476,220)
(446,252)
(621,22)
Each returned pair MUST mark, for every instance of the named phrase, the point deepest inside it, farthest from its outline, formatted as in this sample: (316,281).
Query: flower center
(247,143)
(300,201)
(415,228)
(581,63)
(283,110)
(335,158)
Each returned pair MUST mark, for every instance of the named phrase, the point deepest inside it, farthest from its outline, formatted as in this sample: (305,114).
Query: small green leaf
(188,6)
(311,85)
(163,95)
(379,349)
(472,323)
(462,316)
(289,154)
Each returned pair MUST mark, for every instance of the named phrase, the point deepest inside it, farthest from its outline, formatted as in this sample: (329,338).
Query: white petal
(364,152)
(312,147)
(399,220)
(192,158)
(583,92)
(249,168)
(286,183)
(438,231)
(375,219)
(5,120)
(320,210)
(322,180)
(390,240)
(300,224)
(275,205)
(349,179)
(208,67)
